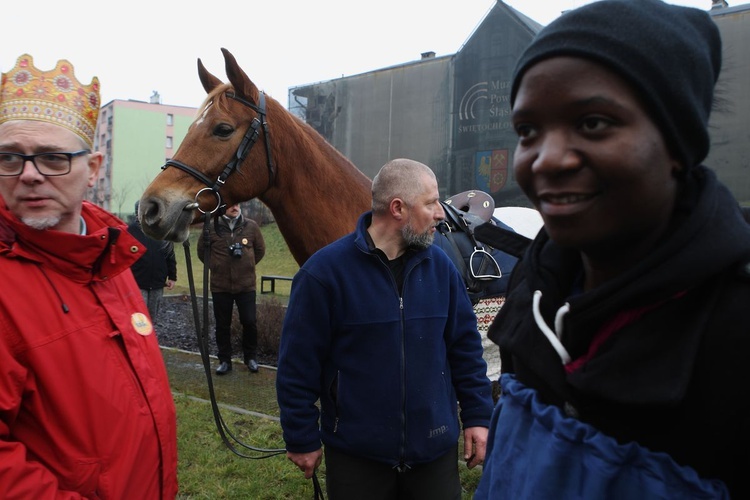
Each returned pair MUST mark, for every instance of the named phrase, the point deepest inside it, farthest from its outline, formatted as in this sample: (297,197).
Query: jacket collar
(104,252)
(708,236)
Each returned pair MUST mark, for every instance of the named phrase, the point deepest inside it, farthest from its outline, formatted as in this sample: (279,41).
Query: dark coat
(157,264)
(228,273)
(660,353)
(387,368)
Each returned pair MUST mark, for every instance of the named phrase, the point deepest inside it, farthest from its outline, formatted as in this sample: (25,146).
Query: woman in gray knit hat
(626,331)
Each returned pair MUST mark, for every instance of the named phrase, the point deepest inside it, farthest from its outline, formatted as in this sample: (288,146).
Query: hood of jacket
(708,235)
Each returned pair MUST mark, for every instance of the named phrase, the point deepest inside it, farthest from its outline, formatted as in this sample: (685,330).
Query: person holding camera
(236,245)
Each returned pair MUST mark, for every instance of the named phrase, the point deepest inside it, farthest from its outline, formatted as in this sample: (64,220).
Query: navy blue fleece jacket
(388,368)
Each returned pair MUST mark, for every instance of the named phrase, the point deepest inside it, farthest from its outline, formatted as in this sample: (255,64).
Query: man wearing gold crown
(85,404)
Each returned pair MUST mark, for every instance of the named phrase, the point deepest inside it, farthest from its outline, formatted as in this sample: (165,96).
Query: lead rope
(202,336)
(316,487)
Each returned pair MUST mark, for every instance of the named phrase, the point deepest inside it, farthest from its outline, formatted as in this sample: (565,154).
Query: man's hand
(170,284)
(308,462)
(475,445)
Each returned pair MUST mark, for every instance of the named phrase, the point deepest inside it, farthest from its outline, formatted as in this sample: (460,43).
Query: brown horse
(313,191)
(245,145)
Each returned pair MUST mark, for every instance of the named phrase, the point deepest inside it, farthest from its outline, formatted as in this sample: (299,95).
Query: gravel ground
(175,328)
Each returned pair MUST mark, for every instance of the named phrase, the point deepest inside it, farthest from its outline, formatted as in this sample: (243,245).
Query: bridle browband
(248,141)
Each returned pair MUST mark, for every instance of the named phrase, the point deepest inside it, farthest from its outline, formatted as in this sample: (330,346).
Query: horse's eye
(223,130)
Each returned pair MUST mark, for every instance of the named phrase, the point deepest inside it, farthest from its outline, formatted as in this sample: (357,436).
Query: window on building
(170,119)
(169,142)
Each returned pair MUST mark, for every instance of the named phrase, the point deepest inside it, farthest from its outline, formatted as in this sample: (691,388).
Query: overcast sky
(154,45)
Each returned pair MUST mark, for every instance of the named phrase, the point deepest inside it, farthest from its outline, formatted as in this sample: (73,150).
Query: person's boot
(224,368)
(252,365)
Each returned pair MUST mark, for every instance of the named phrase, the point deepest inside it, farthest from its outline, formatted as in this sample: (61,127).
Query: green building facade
(136,139)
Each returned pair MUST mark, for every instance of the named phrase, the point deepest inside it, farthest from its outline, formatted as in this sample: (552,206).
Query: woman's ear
(677,168)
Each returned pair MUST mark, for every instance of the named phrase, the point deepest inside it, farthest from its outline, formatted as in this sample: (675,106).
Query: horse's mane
(217,98)
(309,142)
(211,98)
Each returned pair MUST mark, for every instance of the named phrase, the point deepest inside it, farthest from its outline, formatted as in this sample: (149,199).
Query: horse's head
(217,148)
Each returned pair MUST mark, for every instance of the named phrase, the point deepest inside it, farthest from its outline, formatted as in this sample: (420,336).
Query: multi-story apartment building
(136,138)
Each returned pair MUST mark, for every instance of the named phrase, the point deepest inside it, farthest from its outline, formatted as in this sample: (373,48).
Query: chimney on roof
(428,55)
(719,4)
(155,98)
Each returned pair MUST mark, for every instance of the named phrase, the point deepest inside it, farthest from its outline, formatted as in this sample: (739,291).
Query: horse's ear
(239,80)
(208,80)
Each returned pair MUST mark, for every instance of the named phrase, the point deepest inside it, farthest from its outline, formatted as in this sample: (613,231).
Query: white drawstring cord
(554,338)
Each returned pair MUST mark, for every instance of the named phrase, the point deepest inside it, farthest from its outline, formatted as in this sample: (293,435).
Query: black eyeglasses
(47,164)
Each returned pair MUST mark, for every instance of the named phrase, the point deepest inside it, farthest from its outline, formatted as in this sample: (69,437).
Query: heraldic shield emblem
(491,168)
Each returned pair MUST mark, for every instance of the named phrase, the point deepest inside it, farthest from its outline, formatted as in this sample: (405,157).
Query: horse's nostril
(149,212)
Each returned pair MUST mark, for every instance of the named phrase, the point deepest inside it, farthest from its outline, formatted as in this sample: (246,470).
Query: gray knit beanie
(671,55)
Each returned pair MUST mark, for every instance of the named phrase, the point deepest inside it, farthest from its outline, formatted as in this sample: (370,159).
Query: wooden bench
(272,280)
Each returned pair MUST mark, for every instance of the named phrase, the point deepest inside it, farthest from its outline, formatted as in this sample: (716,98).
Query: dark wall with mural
(730,119)
(453,112)
(450,112)
(402,111)
(483,135)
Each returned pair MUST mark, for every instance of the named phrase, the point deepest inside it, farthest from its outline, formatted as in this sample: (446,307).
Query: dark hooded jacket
(659,354)
(157,264)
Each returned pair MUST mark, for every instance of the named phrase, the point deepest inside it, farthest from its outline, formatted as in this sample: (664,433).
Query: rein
(248,141)
(202,335)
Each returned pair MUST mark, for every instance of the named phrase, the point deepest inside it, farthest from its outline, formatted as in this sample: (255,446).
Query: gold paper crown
(54,96)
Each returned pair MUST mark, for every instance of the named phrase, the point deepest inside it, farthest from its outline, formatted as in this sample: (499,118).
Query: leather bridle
(248,141)
(201,327)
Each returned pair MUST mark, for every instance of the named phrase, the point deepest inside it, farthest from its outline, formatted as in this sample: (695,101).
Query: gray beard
(41,223)
(417,240)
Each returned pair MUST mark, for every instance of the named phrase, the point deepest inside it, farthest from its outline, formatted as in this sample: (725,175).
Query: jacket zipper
(402,446)
(403,382)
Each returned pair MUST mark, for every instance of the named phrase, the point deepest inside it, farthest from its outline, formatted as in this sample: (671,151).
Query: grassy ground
(207,469)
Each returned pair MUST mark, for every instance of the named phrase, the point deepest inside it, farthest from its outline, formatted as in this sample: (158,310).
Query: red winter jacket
(85,404)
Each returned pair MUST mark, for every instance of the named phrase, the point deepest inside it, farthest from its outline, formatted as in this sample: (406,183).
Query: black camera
(235,250)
